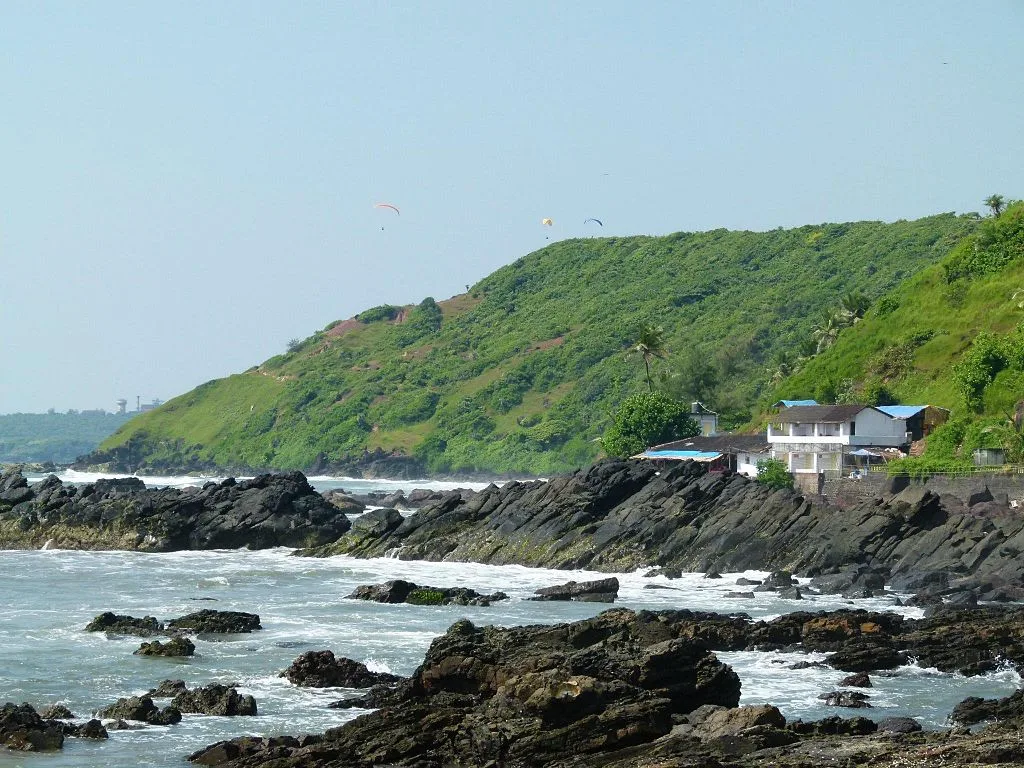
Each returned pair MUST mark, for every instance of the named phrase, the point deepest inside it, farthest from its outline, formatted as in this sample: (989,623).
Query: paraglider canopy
(387,205)
(546,222)
(596,221)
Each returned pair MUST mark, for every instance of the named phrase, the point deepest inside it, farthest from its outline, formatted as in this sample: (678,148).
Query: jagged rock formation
(623,515)
(525,695)
(642,689)
(267,511)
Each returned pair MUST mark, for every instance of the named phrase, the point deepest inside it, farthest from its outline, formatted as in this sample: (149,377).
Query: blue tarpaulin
(901,411)
(681,455)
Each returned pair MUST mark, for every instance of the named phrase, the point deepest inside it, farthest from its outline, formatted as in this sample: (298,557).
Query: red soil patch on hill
(344,327)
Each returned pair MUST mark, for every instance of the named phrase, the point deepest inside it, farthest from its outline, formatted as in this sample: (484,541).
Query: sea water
(48,596)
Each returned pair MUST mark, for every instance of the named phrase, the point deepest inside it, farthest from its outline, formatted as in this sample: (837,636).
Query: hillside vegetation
(54,437)
(519,374)
(951,335)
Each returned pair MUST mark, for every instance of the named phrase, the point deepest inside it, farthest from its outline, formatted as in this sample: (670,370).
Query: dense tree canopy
(647,419)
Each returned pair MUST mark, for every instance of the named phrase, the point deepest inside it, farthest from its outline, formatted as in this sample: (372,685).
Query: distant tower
(138,403)
(122,405)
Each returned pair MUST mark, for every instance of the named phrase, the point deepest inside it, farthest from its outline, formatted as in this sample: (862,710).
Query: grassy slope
(914,339)
(524,369)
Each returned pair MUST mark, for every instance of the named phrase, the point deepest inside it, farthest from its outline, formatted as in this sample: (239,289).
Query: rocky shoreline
(267,511)
(614,516)
(618,516)
(642,688)
(623,688)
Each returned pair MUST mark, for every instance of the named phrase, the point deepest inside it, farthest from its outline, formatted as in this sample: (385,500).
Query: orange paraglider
(388,205)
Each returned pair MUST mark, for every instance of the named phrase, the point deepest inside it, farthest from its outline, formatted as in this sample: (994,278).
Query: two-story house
(814,438)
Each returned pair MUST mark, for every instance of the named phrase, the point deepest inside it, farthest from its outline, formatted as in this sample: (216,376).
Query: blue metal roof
(695,455)
(791,403)
(901,411)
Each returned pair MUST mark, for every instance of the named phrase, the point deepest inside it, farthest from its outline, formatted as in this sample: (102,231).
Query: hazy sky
(186,186)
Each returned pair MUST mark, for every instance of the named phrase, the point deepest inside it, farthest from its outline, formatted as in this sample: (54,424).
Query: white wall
(876,428)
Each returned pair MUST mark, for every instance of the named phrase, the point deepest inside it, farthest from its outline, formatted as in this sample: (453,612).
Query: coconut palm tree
(995,202)
(650,343)
(854,304)
(784,366)
(827,330)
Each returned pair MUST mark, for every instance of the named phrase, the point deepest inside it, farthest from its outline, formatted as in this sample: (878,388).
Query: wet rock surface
(214,699)
(634,689)
(207,621)
(125,625)
(598,591)
(23,730)
(217,622)
(266,511)
(322,669)
(140,708)
(524,695)
(401,591)
(178,646)
(623,515)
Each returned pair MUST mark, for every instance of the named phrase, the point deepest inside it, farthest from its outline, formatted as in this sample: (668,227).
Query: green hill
(54,437)
(951,335)
(520,373)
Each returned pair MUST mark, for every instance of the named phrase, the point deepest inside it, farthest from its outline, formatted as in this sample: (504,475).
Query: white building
(814,438)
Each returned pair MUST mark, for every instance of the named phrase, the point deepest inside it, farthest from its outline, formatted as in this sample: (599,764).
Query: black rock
(178,646)
(23,730)
(125,625)
(168,689)
(321,669)
(898,725)
(857,680)
(853,699)
(214,699)
(140,708)
(377,522)
(217,622)
(56,712)
(598,591)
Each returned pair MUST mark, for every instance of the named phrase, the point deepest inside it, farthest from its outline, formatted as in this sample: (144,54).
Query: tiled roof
(818,414)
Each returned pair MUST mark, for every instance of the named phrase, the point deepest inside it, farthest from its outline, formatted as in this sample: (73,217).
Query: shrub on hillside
(774,474)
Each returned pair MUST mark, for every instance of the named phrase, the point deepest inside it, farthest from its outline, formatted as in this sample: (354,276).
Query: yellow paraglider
(546,222)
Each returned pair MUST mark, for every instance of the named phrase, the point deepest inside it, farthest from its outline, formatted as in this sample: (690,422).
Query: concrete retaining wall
(846,492)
